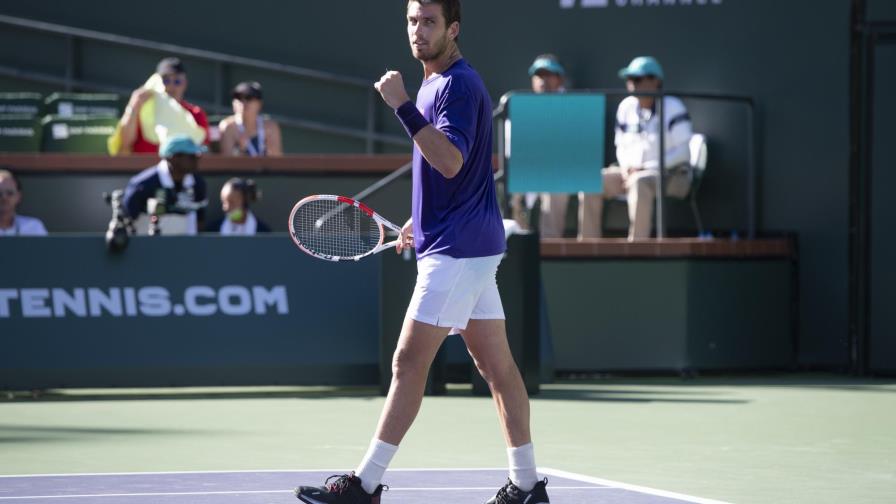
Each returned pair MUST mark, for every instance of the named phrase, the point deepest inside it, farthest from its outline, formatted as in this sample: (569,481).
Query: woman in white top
(247,132)
(10,197)
(236,197)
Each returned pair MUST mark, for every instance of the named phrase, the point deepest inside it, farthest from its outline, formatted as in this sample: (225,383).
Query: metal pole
(371,123)
(219,85)
(661,181)
(70,63)
(500,175)
(751,172)
(402,171)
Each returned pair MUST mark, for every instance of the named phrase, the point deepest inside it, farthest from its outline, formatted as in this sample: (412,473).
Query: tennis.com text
(197,301)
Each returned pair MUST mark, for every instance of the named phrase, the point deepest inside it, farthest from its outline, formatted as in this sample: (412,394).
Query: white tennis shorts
(450,291)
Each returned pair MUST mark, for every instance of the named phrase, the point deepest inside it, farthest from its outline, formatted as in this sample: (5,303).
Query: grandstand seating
(20,129)
(19,133)
(79,134)
(21,104)
(83,104)
(61,122)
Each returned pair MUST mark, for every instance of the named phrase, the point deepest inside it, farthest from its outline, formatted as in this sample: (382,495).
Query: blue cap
(548,63)
(642,66)
(180,144)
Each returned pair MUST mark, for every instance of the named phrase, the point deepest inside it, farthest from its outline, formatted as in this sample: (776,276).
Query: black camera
(121,227)
(168,201)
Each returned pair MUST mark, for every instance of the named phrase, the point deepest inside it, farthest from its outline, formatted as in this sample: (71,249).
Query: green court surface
(772,439)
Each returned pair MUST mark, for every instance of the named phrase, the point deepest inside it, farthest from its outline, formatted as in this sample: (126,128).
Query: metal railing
(221,60)
(501,113)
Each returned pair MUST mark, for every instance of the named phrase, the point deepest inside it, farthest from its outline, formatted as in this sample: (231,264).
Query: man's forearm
(439,151)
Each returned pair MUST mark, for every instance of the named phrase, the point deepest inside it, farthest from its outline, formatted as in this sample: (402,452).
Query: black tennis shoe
(345,489)
(511,494)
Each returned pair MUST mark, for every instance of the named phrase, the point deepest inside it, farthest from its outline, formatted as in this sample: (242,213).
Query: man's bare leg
(417,347)
(487,343)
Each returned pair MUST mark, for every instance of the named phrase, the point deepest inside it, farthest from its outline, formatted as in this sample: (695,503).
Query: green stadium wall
(791,57)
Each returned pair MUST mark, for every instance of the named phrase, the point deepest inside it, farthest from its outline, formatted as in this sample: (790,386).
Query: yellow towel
(160,117)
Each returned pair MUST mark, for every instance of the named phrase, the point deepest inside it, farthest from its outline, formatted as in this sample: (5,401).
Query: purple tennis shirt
(457,217)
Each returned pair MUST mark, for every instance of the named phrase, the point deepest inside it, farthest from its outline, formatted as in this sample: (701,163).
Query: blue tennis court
(406,486)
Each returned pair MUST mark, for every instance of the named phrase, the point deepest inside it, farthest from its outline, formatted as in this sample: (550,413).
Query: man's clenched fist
(391,87)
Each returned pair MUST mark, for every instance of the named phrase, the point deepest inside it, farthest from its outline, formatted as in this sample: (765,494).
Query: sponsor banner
(205,310)
(197,301)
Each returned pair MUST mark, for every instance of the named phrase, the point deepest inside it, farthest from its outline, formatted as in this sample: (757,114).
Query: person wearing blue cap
(175,181)
(547,76)
(638,146)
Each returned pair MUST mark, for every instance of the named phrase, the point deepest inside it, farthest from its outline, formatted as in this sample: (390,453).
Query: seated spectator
(549,76)
(247,132)
(638,146)
(174,182)
(132,136)
(10,197)
(237,196)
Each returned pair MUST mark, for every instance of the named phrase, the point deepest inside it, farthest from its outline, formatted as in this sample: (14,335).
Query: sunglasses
(177,81)
(638,80)
(9,193)
(245,98)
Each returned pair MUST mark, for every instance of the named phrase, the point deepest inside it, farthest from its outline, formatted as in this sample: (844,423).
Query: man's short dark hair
(170,65)
(450,9)
(11,175)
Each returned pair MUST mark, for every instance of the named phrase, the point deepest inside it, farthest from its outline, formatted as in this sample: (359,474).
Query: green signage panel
(180,311)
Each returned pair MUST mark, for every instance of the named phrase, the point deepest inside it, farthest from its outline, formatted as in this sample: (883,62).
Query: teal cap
(548,63)
(180,144)
(642,66)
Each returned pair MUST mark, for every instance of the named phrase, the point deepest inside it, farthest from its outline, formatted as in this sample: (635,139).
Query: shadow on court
(635,396)
(36,434)
(191,394)
(817,381)
(656,389)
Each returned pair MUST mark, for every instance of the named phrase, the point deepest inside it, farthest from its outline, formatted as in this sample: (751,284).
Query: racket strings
(333,228)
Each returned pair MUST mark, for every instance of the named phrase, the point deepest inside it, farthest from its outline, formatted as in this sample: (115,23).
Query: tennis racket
(336,228)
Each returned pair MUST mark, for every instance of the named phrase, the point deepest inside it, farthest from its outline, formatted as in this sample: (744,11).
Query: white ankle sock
(522,467)
(374,464)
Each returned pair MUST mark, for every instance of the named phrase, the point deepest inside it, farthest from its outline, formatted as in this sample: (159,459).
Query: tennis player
(457,232)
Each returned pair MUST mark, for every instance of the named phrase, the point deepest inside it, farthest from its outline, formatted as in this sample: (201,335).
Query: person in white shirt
(174,181)
(12,224)
(638,145)
(547,76)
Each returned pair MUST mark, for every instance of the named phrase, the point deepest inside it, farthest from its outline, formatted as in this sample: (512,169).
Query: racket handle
(385,246)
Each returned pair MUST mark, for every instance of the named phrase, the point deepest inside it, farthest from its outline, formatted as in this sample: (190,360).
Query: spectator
(637,149)
(10,197)
(548,76)
(176,182)
(247,132)
(171,75)
(236,197)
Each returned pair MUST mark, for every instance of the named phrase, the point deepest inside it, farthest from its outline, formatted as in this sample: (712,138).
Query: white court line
(148,494)
(625,486)
(236,492)
(545,470)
